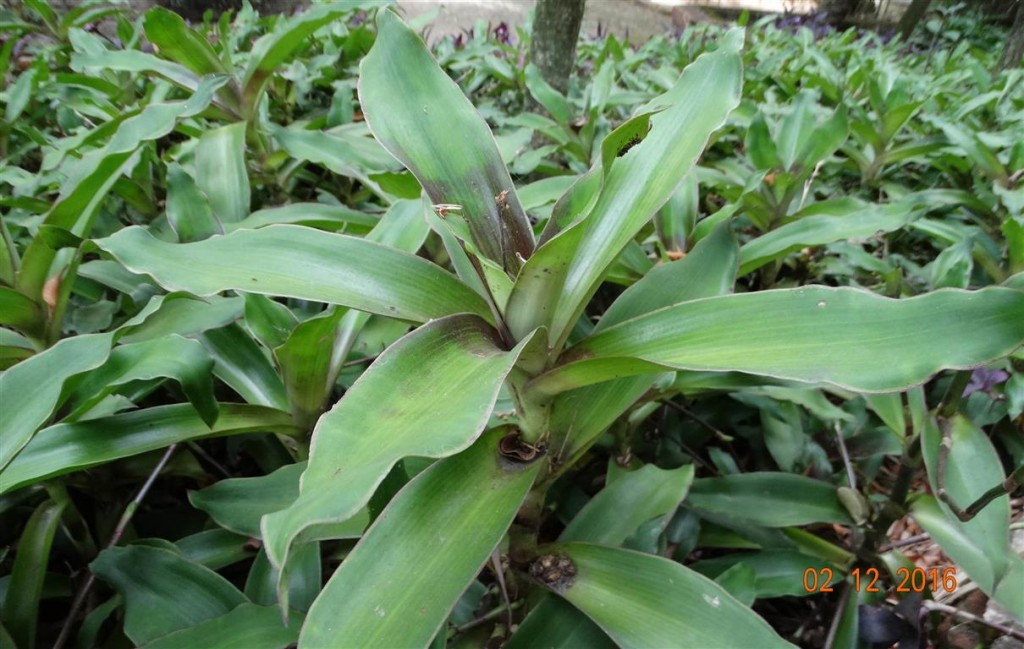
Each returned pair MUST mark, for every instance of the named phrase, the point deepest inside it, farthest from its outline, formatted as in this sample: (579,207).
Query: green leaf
(641,600)
(21,604)
(269,322)
(557,624)
(777,573)
(429,395)
(215,548)
(188,210)
(247,626)
(316,215)
(76,208)
(677,218)
(560,278)
(769,499)
(239,362)
(65,448)
(955,540)
(741,582)
(19,93)
(579,416)
(760,146)
(438,532)
(237,504)
(91,177)
(304,576)
(19,311)
(709,270)
(283,259)
(840,336)
(136,61)
(273,49)
(823,142)
(163,592)
(634,498)
(345,154)
(552,100)
(889,408)
(820,227)
(421,116)
(221,173)
(796,129)
(981,545)
(181,44)
(14,348)
(37,386)
(182,314)
(173,357)
(306,369)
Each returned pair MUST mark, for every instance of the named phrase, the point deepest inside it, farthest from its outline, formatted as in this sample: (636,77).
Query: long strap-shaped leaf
(560,278)
(174,357)
(768,498)
(609,518)
(34,387)
(421,116)
(841,336)
(247,626)
(642,600)
(981,546)
(295,261)
(65,448)
(824,227)
(92,176)
(36,384)
(436,535)
(20,606)
(146,576)
(579,416)
(273,49)
(428,395)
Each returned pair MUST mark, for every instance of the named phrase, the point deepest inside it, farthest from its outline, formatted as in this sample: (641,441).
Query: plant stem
(902,543)
(971,617)
(909,463)
(488,616)
(122,525)
(851,475)
(837,618)
(954,394)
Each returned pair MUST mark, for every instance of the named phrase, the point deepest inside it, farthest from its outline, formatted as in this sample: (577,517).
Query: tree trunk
(556,28)
(1014,50)
(915,12)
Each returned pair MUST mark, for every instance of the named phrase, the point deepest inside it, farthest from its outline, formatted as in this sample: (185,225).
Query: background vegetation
(647,429)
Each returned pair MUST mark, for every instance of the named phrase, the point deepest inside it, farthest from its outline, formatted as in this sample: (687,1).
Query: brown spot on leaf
(556,571)
(50,291)
(633,141)
(514,448)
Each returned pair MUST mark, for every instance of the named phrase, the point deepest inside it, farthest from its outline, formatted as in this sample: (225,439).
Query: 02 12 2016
(908,580)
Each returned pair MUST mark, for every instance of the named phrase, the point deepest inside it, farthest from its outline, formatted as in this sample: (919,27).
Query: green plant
(581,405)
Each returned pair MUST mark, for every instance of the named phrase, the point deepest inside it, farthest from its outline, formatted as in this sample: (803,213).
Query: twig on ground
(851,475)
(902,543)
(971,617)
(122,525)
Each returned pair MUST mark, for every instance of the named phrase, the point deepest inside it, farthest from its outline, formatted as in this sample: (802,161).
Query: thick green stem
(533,409)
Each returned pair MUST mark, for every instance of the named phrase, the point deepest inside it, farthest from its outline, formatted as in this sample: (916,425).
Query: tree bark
(915,12)
(556,28)
(1014,50)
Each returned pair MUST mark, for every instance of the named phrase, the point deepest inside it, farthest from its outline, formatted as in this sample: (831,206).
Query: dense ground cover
(662,394)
